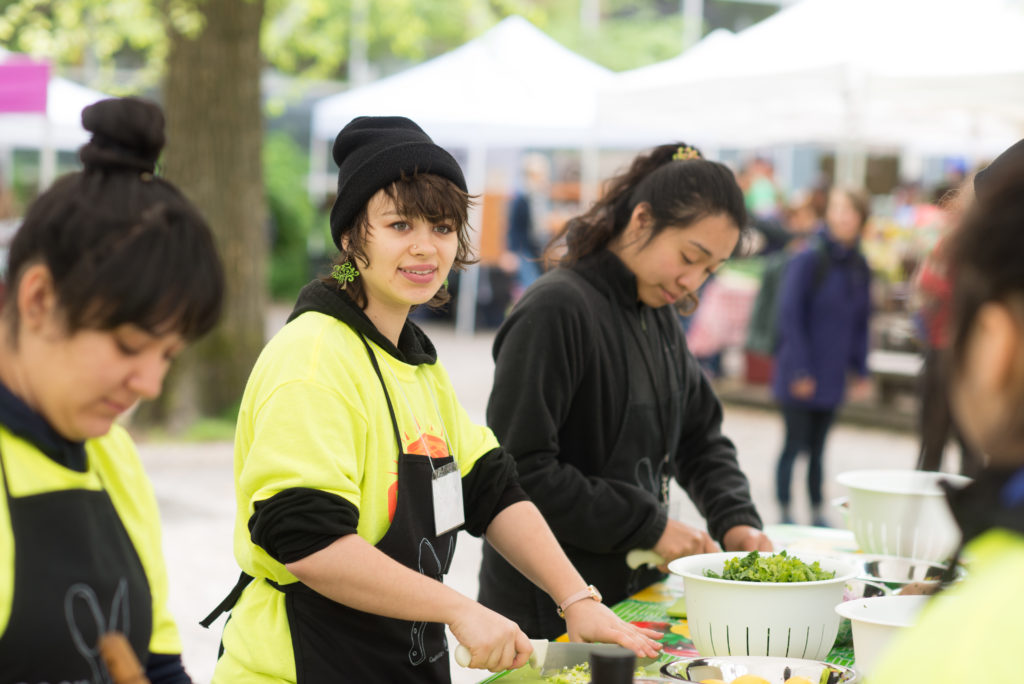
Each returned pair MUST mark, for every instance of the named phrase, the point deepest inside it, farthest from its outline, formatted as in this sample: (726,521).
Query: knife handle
(118,656)
(540,649)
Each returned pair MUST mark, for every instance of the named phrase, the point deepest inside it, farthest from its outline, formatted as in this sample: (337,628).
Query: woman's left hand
(860,389)
(746,538)
(591,621)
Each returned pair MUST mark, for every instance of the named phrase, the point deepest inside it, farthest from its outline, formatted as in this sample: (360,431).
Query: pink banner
(23,85)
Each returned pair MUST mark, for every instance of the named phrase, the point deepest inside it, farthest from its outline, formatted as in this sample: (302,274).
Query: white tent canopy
(512,87)
(849,73)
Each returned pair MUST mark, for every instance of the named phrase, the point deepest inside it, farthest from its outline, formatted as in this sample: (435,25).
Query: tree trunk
(213,153)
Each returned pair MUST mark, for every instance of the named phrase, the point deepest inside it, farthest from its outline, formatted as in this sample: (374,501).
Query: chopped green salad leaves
(571,675)
(775,568)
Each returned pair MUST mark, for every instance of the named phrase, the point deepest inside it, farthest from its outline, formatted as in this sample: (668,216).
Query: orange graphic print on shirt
(424,445)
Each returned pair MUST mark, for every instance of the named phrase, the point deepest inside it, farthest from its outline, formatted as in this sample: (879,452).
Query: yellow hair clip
(686,152)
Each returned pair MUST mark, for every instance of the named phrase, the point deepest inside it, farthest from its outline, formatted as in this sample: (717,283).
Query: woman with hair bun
(598,398)
(111,275)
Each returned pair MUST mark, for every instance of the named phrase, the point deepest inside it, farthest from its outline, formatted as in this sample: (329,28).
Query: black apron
(641,455)
(77,575)
(334,643)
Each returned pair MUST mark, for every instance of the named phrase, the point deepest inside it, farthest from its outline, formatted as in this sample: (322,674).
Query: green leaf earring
(344,273)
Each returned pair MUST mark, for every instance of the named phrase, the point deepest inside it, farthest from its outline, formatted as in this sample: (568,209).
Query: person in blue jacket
(823,336)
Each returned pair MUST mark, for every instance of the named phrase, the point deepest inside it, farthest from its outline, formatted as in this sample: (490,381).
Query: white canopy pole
(47,156)
(589,172)
(469,280)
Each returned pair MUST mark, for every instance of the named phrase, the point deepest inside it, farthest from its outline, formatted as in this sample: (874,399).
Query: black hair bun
(127,133)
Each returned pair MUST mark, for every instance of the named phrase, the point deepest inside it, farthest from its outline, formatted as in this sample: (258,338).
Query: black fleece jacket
(297,522)
(559,397)
(587,379)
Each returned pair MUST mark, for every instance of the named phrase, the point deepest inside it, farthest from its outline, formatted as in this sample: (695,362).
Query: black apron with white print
(77,575)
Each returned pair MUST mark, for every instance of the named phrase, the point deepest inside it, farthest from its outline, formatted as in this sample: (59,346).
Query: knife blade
(551,656)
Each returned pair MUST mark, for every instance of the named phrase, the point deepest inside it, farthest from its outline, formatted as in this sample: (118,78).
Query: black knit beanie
(1008,165)
(372,152)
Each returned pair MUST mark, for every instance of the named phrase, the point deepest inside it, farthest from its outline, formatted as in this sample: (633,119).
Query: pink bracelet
(590,592)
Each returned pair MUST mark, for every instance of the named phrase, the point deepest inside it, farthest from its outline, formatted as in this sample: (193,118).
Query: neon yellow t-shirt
(314,415)
(114,465)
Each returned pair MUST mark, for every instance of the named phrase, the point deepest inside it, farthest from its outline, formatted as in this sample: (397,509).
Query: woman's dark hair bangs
(431,197)
(127,282)
(422,195)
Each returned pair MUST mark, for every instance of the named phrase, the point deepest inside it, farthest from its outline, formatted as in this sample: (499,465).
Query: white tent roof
(511,87)
(834,71)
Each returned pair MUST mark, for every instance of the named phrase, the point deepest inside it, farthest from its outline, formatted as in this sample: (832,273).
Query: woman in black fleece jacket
(598,398)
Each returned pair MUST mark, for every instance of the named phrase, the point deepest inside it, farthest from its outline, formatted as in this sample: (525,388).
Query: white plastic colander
(876,622)
(789,619)
(902,513)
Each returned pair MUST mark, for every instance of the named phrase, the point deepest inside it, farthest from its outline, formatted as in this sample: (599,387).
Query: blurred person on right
(933,288)
(824,308)
(986,359)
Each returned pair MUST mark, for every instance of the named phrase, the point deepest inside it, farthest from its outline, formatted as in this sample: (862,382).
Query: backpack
(763,328)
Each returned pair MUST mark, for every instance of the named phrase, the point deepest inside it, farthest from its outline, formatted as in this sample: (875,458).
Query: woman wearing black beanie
(355,464)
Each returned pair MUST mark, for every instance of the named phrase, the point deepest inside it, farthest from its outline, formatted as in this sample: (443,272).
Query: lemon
(798,680)
(711,681)
(750,679)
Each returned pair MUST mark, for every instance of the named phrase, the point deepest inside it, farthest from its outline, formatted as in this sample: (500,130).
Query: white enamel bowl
(784,619)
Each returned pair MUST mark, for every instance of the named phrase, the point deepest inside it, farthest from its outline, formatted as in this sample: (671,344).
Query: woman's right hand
(679,539)
(494,642)
(803,388)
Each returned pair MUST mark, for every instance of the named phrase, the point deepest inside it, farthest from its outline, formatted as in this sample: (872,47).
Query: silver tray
(775,669)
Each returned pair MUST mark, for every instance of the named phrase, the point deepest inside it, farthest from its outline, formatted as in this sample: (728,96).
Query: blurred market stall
(913,76)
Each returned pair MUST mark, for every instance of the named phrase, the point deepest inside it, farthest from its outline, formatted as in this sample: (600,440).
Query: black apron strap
(3,474)
(391,409)
(229,601)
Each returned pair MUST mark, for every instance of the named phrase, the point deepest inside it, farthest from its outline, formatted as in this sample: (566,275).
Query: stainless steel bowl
(896,572)
(862,588)
(775,670)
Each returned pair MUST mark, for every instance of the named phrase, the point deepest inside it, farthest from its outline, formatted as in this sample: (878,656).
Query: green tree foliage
(629,34)
(98,36)
(292,215)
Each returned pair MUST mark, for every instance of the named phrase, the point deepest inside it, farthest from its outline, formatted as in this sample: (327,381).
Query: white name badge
(447,491)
